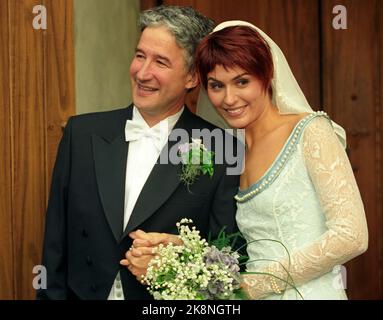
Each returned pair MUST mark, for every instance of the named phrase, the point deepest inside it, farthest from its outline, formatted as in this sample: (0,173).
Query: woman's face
(237,95)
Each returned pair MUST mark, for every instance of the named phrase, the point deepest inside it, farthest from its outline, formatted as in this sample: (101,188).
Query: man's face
(158,73)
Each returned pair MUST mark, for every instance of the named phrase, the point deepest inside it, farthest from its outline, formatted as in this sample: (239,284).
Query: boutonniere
(196,160)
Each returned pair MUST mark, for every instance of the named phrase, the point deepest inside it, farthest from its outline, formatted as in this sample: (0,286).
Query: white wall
(106,33)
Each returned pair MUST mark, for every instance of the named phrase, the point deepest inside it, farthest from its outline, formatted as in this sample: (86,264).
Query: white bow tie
(135,131)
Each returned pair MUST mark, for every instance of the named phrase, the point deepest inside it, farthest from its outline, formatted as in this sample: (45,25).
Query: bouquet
(194,270)
(201,270)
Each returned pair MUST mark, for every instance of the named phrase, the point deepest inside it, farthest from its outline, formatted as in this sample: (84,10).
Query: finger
(137,272)
(141,243)
(176,240)
(138,234)
(139,252)
(128,254)
(141,262)
(155,238)
(136,252)
(164,238)
(125,262)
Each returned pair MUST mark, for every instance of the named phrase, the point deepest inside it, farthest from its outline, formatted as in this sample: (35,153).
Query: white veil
(287,94)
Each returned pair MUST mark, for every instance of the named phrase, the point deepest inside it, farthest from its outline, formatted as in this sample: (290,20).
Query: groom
(107,181)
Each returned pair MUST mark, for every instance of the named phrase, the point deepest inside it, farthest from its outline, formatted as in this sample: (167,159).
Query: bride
(298,186)
(297,192)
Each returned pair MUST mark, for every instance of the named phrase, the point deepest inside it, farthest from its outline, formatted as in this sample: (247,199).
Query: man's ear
(192,81)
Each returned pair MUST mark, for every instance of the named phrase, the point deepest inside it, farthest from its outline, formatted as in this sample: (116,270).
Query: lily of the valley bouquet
(194,270)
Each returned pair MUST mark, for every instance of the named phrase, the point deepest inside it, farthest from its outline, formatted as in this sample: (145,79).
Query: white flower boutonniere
(196,160)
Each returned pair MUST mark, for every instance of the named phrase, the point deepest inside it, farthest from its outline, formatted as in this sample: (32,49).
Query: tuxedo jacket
(84,237)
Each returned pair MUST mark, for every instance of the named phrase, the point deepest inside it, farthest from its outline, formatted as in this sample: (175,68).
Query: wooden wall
(340,71)
(37,96)
(6,248)
(352,94)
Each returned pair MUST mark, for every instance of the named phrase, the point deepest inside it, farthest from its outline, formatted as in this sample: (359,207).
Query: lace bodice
(309,201)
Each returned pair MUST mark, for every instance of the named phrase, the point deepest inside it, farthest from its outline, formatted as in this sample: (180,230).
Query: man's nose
(144,73)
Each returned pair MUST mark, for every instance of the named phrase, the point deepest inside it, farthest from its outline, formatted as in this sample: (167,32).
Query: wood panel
(6,256)
(353,91)
(147,4)
(42,95)
(59,86)
(293,25)
(29,190)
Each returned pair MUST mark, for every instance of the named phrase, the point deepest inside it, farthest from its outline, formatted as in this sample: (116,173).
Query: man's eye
(161,63)
(140,56)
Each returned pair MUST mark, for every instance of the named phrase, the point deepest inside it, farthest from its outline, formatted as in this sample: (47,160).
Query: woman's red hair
(237,46)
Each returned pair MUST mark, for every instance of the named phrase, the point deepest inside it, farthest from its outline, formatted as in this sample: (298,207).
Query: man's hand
(143,250)
(137,260)
(153,239)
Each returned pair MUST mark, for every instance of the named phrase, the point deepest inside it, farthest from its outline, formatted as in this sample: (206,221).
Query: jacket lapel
(110,155)
(161,183)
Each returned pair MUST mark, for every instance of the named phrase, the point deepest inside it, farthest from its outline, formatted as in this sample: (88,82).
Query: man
(107,181)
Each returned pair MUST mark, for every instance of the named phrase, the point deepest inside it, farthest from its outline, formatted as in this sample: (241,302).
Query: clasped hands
(142,250)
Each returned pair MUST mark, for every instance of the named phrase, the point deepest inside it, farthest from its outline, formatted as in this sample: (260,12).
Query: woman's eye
(242,82)
(215,85)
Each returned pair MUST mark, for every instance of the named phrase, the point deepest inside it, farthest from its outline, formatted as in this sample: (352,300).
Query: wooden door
(352,71)
(6,243)
(37,96)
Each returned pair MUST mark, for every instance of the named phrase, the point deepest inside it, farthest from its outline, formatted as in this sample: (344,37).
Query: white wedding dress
(307,200)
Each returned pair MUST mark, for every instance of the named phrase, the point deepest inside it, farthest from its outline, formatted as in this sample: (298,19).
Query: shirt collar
(171,120)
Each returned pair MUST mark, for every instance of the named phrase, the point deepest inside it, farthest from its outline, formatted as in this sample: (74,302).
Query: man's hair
(186,24)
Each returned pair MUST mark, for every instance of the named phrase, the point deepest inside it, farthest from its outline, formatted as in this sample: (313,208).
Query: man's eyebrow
(163,58)
(157,56)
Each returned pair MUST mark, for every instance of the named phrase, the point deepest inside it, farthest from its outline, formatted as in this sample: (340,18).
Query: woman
(298,190)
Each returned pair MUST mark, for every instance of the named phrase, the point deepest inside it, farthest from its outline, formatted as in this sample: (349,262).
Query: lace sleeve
(347,235)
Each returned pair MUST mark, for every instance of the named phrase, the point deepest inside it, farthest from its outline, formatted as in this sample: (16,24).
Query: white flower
(196,143)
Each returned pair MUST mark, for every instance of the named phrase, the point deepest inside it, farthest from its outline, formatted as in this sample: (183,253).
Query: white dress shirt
(142,156)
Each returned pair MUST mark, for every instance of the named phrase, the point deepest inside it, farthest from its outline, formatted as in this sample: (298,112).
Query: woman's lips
(235,112)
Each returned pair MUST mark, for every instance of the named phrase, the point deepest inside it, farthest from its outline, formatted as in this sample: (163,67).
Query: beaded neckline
(275,169)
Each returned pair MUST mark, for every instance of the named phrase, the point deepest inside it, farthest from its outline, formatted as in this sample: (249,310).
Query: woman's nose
(230,97)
